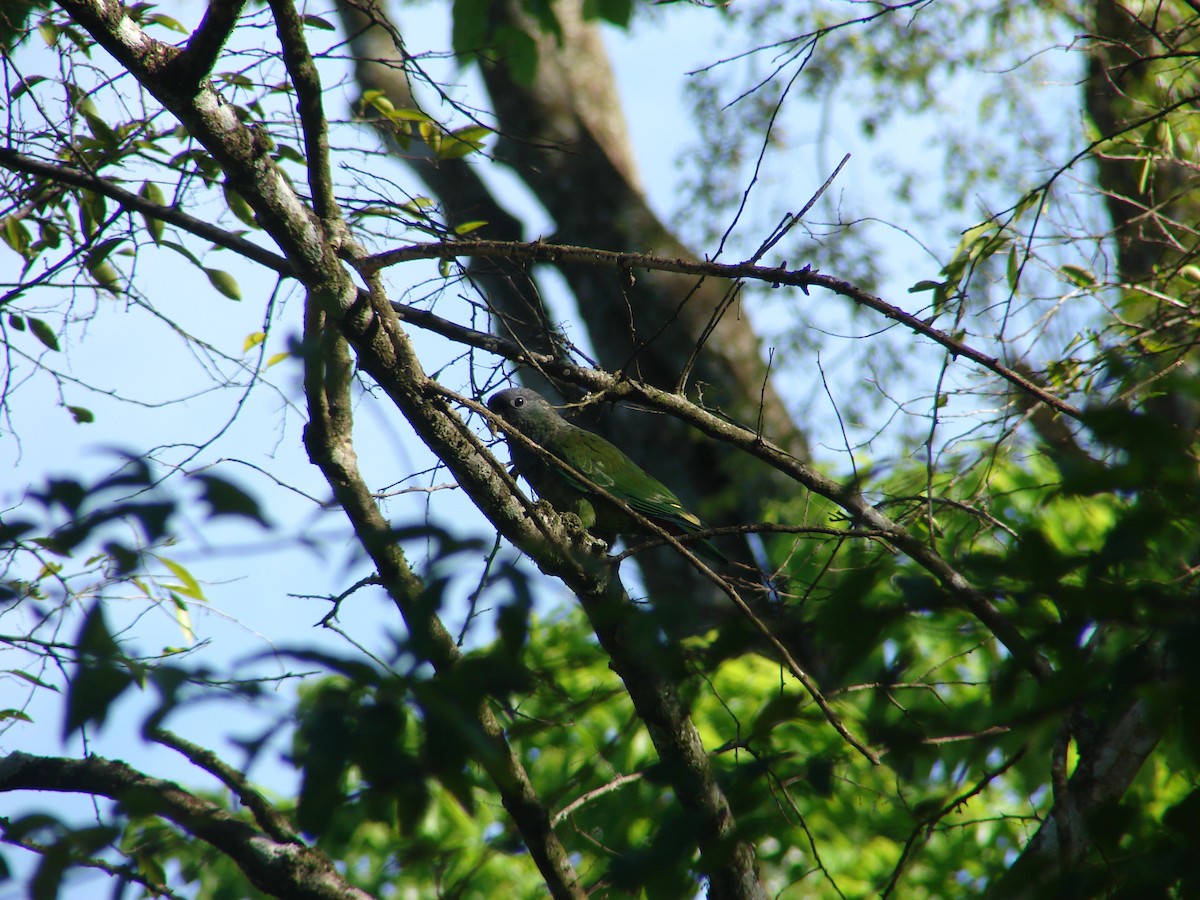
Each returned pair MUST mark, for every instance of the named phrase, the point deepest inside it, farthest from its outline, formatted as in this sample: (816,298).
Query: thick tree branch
(269,819)
(285,869)
(327,437)
(207,41)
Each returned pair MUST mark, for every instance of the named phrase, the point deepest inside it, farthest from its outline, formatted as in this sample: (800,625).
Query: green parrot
(591,455)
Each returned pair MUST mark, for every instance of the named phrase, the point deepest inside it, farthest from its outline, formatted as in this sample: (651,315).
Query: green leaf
(188,585)
(24,85)
(1078,276)
(152,192)
(223,282)
(10,714)
(519,52)
(462,142)
(101,251)
(101,130)
(311,21)
(468,227)
(82,414)
(165,21)
(184,617)
(17,323)
(44,333)
(925,285)
(98,679)
(31,679)
(107,277)
(618,12)
(469,33)
(240,208)
(184,252)
(16,235)
(224,498)
(408,115)
(253,340)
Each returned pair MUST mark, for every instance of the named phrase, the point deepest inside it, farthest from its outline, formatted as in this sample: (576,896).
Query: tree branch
(209,38)
(307,83)
(286,869)
(801,278)
(172,215)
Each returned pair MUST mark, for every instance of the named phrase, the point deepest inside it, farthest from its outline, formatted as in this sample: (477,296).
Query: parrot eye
(518,402)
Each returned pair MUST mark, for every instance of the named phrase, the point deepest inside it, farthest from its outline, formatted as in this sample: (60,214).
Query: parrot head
(527,411)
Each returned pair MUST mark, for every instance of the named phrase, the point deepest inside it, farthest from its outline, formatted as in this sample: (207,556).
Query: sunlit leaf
(224,282)
(188,585)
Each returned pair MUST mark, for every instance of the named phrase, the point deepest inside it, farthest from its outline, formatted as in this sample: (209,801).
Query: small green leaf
(101,130)
(617,12)
(106,277)
(224,282)
(82,414)
(311,21)
(253,340)
(24,85)
(31,679)
(166,22)
(925,286)
(277,358)
(101,251)
(468,227)
(16,235)
(188,585)
(408,115)
(462,141)
(44,333)
(16,322)
(184,617)
(1078,276)
(239,207)
(184,252)
(9,714)
(152,192)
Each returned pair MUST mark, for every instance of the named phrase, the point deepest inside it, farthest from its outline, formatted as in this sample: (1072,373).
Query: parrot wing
(609,468)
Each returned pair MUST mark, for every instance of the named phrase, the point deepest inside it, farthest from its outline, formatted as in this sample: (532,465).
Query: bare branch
(801,278)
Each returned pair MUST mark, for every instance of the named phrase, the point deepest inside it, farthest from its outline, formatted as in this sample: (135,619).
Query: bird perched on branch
(598,461)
